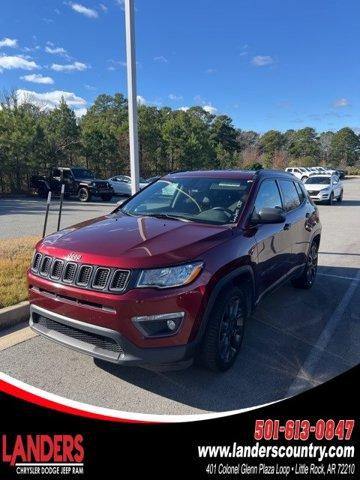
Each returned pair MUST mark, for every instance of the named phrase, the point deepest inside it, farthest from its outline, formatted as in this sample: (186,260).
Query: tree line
(33,139)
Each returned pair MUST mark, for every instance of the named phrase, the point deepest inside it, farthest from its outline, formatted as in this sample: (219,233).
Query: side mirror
(270,215)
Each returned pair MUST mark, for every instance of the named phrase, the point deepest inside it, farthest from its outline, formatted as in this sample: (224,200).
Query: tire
(224,331)
(106,197)
(331,199)
(307,278)
(84,195)
(340,197)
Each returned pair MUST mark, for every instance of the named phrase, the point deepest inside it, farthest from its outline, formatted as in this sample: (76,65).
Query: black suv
(79,182)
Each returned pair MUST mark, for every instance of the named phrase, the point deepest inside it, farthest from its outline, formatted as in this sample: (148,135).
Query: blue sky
(266,63)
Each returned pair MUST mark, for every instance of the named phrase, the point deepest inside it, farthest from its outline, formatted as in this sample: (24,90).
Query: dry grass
(15,257)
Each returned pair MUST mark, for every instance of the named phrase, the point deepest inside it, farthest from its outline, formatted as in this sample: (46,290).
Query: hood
(90,180)
(316,186)
(118,240)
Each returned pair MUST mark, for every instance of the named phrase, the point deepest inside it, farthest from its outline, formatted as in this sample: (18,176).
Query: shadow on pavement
(278,339)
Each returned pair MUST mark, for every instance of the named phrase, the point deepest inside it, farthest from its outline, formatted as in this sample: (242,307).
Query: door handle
(287,226)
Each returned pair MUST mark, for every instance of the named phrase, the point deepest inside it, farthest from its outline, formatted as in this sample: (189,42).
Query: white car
(122,185)
(324,188)
(301,173)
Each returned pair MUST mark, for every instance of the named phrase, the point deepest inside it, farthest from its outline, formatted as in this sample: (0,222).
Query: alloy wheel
(231,330)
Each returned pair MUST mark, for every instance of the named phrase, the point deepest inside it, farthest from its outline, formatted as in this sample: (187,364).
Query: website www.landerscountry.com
(276,451)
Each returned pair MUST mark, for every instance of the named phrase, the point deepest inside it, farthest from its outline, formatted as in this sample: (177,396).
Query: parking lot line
(335,276)
(311,362)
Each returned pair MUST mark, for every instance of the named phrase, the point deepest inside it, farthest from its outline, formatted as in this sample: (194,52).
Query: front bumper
(320,197)
(102,343)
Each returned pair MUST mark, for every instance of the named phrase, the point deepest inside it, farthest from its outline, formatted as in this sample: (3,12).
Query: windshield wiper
(167,216)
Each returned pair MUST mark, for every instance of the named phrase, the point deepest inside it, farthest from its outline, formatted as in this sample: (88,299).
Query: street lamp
(132,97)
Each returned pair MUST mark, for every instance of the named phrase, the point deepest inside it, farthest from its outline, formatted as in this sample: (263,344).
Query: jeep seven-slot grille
(91,277)
(101,278)
(57,269)
(119,280)
(69,272)
(84,275)
(99,341)
(45,266)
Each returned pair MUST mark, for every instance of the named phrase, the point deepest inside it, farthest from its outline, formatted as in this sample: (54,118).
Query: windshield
(82,173)
(318,180)
(205,200)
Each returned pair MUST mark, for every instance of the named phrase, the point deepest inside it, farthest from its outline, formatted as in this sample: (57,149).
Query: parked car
(325,188)
(301,173)
(122,184)
(79,182)
(174,273)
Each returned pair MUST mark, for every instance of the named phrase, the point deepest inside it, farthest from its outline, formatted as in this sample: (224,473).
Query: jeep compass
(173,273)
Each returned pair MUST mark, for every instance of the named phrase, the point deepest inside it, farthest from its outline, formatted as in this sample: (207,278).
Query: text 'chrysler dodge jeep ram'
(173,273)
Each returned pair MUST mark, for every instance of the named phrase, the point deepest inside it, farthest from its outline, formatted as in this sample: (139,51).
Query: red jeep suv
(174,272)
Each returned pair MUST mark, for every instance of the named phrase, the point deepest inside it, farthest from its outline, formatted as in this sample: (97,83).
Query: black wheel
(307,278)
(43,192)
(84,195)
(224,332)
(340,197)
(106,197)
(331,199)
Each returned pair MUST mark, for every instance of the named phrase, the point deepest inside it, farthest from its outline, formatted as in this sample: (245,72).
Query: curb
(10,316)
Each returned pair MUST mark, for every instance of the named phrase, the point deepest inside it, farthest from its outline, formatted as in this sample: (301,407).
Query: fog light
(171,325)
(160,325)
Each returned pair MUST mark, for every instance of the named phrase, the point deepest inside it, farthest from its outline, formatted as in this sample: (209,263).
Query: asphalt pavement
(295,340)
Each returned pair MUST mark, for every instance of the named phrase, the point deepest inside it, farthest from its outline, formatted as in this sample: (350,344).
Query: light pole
(132,97)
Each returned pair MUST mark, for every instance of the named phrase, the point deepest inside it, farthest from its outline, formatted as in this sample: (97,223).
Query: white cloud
(50,99)
(184,109)
(80,112)
(141,100)
(120,3)
(210,109)
(172,96)
(103,7)
(8,42)
(341,102)
(55,50)
(38,78)
(161,59)
(210,71)
(115,64)
(88,12)
(71,67)
(262,60)
(13,62)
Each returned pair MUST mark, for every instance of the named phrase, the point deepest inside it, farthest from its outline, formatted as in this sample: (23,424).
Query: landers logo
(44,454)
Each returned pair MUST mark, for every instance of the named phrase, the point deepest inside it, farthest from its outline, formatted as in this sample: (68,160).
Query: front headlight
(170,276)
(325,189)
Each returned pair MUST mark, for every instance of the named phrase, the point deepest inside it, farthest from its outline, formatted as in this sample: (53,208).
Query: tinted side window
(300,192)
(268,196)
(291,197)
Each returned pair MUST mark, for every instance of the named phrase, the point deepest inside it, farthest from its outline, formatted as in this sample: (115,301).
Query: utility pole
(132,97)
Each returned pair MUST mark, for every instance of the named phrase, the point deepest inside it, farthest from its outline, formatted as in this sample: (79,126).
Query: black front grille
(99,341)
(119,280)
(101,277)
(90,277)
(45,266)
(36,262)
(57,269)
(69,273)
(313,192)
(84,275)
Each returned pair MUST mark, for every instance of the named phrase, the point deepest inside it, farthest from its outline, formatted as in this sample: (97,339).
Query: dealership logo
(75,257)
(44,454)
